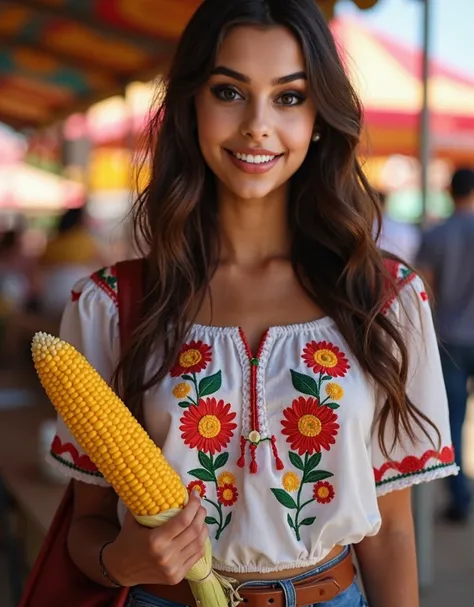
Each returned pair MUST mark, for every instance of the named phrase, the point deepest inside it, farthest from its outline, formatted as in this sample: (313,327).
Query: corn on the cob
(119,447)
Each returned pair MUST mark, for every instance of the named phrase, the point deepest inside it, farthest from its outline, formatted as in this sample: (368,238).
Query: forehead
(270,52)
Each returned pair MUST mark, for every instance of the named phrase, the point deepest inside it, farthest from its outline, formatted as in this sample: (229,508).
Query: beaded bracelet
(105,573)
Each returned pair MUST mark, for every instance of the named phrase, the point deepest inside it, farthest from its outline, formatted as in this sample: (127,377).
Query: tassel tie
(253,453)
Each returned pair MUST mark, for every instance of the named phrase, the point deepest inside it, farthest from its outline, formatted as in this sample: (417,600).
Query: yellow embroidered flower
(334,391)
(181,390)
(291,481)
(226,478)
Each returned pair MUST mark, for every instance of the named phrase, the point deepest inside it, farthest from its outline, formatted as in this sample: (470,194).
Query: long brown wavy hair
(332,211)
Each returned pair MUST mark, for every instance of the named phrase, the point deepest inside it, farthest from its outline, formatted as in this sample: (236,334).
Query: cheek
(298,135)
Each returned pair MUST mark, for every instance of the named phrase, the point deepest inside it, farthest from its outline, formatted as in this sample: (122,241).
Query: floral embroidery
(182,390)
(311,427)
(424,296)
(193,358)
(106,279)
(291,482)
(326,358)
(75,295)
(208,426)
(198,486)
(226,478)
(323,492)
(334,391)
(412,465)
(402,275)
(227,495)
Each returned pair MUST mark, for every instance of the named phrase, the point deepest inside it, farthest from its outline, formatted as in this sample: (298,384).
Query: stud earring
(316,137)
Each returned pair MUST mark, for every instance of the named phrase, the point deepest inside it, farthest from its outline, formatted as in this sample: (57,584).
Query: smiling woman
(289,371)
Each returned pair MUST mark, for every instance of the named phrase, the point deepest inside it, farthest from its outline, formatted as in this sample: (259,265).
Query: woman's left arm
(388,559)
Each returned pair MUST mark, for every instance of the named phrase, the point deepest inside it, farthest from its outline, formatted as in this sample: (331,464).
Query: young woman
(289,372)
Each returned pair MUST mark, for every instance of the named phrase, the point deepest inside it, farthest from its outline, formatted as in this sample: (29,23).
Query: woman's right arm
(136,554)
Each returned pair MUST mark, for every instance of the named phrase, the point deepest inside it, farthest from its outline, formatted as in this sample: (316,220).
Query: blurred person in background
(397,237)
(446,261)
(71,254)
(16,271)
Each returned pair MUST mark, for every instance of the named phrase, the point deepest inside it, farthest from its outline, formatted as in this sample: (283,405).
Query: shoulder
(402,283)
(102,285)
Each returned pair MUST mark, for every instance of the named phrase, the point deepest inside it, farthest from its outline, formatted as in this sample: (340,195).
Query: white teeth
(258,159)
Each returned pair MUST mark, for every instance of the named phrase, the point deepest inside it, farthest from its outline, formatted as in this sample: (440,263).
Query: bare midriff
(286,573)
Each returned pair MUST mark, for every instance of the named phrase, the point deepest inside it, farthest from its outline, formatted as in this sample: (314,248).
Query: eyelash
(220,89)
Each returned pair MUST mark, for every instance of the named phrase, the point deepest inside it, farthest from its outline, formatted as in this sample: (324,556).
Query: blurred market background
(77,78)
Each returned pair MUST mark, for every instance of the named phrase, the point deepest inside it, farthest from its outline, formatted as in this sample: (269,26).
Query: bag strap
(130,278)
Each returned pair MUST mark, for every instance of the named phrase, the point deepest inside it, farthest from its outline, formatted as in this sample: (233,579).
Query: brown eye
(225,93)
(290,99)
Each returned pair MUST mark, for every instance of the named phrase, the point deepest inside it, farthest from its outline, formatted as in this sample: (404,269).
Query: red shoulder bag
(54,580)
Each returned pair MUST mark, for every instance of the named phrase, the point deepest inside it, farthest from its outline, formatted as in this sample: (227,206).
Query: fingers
(195,535)
(185,519)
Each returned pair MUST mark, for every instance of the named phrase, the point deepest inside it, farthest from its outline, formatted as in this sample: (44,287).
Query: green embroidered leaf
(290,521)
(304,384)
(187,377)
(205,461)
(184,405)
(285,499)
(296,460)
(332,405)
(210,384)
(313,461)
(325,378)
(227,520)
(319,475)
(221,460)
(209,520)
(202,475)
(308,521)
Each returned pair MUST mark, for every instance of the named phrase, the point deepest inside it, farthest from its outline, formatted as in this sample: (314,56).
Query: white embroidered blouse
(281,443)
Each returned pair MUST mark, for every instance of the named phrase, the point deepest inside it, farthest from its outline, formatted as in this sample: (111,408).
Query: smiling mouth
(254,158)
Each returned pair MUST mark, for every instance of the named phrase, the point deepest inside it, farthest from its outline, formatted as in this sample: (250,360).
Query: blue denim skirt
(352,597)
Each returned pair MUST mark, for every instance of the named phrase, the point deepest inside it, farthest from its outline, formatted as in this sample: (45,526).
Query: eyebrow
(221,70)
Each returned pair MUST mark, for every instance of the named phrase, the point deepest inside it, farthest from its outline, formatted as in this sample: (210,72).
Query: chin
(251,191)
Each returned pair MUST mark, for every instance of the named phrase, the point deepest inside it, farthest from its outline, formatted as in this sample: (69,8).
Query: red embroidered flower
(193,358)
(227,495)
(208,426)
(424,295)
(323,492)
(324,357)
(309,428)
(75,295)
(198,486)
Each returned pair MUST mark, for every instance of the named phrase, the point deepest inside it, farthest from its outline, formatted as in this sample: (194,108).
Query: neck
(254,231)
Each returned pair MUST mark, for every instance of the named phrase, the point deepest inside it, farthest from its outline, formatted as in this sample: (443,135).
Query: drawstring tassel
(253,464)
(279,463)
(241,461)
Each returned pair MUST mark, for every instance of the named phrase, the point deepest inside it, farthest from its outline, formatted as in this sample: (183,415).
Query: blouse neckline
(319,323)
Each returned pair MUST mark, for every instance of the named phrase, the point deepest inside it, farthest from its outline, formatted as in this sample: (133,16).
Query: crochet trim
(416,478)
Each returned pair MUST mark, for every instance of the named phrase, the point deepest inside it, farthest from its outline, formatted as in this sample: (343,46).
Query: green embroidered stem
(194,380)
(319,384)
(298,499)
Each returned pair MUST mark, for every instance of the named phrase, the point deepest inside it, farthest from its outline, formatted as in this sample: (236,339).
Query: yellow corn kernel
(134,465)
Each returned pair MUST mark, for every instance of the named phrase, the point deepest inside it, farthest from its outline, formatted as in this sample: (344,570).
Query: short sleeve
(90,324)
(409,462)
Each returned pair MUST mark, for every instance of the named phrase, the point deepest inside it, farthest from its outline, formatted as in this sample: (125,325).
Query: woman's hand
(163,555)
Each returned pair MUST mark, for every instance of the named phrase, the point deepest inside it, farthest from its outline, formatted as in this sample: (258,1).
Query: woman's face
(255,116)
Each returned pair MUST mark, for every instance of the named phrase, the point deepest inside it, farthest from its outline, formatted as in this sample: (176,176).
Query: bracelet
(105,573)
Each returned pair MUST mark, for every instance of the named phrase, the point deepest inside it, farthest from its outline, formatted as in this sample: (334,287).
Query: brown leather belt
(316,589)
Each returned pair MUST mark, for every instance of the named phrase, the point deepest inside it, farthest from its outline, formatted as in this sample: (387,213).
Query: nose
(257,122)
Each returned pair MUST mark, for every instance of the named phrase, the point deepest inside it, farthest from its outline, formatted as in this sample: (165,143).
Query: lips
(257,162)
